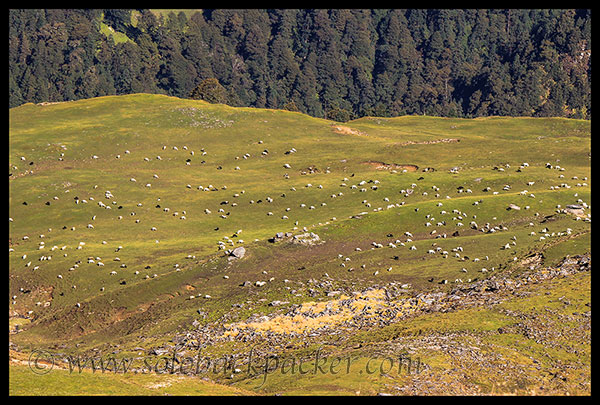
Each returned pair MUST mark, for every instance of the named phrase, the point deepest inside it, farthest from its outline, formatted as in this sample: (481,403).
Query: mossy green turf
(62,382)
(132,308)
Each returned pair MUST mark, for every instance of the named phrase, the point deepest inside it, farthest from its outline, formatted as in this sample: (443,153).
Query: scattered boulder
(238,252)
(307,239)
(575,209)
(159,351)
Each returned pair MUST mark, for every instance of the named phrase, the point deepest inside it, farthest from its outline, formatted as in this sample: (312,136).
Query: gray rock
(276,303)
(238,252)
(307,239)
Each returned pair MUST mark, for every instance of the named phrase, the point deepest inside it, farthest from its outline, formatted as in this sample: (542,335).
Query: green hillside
(124,211)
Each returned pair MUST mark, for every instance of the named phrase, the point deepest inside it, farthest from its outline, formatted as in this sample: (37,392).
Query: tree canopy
(345,63)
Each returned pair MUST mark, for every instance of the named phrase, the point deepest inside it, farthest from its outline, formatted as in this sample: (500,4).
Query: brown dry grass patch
(341,129)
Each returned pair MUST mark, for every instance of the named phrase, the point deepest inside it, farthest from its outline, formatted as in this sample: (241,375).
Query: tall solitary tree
(209,90)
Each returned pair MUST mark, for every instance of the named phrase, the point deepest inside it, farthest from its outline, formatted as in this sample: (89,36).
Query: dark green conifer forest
(339,64)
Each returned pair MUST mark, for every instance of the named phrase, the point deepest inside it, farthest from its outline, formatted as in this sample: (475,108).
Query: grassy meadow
(123,211)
